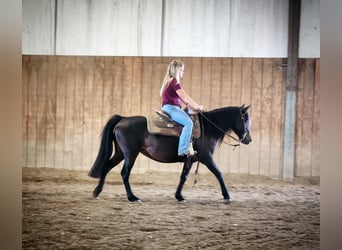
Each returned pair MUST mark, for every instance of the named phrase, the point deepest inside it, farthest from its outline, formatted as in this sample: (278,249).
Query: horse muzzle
(247,139)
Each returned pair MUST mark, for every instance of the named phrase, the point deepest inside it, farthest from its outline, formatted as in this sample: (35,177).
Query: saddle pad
(157,125)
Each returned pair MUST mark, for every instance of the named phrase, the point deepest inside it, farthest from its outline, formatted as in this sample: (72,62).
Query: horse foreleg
(117,158)
(213,168)
(185,172)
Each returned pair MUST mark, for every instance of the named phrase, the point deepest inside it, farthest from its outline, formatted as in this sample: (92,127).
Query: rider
(172,94)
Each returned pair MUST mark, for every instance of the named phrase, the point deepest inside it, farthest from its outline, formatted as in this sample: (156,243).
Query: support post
(291,90)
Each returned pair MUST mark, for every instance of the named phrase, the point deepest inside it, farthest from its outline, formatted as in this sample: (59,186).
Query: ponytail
(171,72)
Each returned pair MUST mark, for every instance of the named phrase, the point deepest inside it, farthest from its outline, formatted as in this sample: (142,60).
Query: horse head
(243,125)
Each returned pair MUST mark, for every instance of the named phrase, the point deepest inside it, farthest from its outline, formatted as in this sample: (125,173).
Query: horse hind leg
(185,172)
(125,174)
(111,163)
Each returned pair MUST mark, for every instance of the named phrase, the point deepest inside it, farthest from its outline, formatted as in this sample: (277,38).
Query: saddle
(161,123)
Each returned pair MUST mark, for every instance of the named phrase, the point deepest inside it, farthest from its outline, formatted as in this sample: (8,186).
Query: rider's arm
(188,100)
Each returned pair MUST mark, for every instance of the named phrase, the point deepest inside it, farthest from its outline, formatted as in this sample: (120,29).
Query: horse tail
(106,147)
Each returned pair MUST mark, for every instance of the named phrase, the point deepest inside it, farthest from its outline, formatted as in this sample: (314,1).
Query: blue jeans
(179,116)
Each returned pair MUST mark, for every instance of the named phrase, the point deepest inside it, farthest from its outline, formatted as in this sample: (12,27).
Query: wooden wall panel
(126,86)
(214,88)
(69,114)
(206,83)
(81,65)
(226,100)
(246,93)
(42,73)
(60,111)
(25,109)
(147,86)
(113,100)
(88,111)
(307,132)
(158,72)
(33,63)
(266,114)
(195,78)
(235,97)
(277,120)
(136,86)
(51,112)
(68,100)
(96,98)
(146,96)
(256,112)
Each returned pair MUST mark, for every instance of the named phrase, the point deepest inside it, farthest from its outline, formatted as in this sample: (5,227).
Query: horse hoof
(96,192)
(134,199)
(179,197)
(226,201)
(182,201)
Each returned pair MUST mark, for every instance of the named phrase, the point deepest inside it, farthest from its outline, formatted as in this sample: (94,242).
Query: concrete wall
(204,28)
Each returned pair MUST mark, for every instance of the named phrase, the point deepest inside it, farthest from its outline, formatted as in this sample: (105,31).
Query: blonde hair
(172,72)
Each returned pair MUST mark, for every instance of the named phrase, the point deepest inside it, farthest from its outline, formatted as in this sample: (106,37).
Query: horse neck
(222,118)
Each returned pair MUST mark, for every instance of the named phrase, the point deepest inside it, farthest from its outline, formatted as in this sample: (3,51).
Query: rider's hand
(200,108)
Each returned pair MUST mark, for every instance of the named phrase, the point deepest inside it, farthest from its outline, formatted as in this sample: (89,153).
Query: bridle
(226,134)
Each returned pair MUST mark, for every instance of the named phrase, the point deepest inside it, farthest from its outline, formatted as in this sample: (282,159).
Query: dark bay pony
(129,136)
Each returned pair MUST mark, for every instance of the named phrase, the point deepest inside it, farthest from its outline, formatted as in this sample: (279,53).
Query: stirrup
(192,152)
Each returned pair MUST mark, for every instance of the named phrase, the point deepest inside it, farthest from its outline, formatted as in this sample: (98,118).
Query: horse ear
(244,109)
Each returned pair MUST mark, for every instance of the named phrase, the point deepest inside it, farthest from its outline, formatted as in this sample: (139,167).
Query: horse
(129,136)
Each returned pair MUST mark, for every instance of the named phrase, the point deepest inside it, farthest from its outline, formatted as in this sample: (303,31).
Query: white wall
(213,28)
(222,28)
(38,26)
(127,27)
(310,31)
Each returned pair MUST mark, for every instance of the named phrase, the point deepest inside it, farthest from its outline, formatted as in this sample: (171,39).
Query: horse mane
(222,118)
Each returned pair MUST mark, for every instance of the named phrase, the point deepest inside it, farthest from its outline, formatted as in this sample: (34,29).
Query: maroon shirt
(170,96)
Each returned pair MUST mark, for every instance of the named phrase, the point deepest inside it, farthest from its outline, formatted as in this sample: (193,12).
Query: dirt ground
(60,213)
